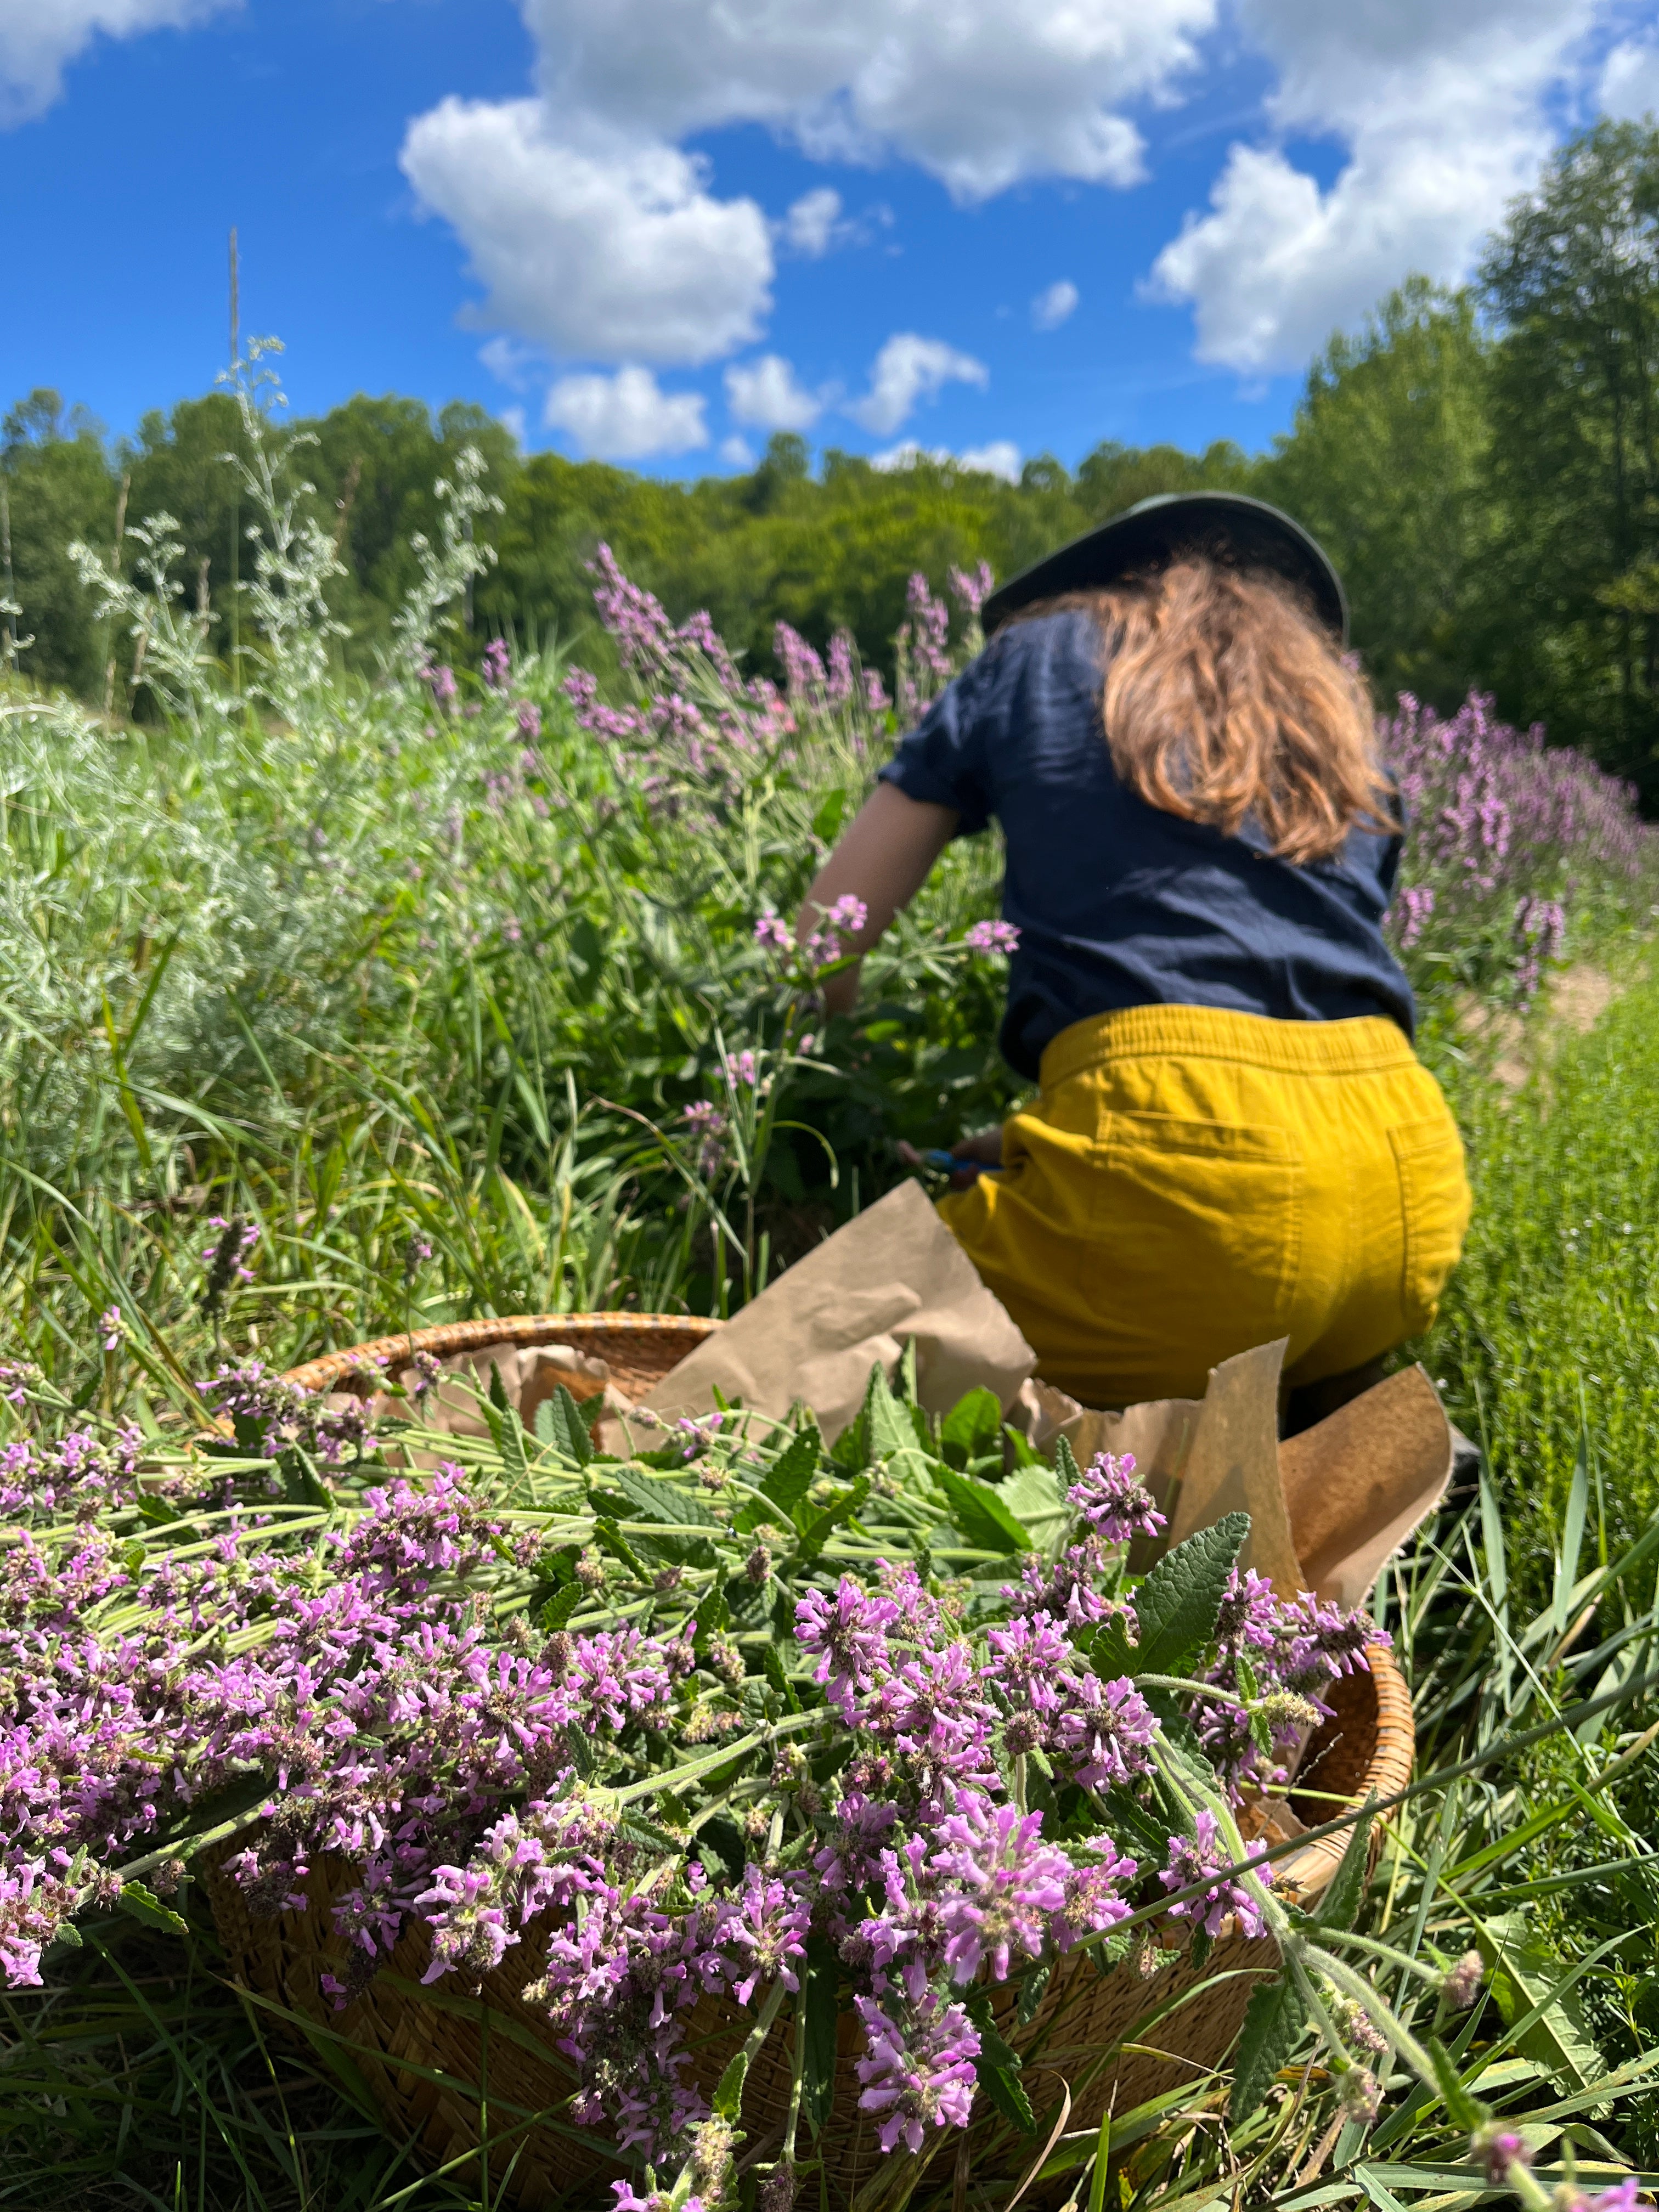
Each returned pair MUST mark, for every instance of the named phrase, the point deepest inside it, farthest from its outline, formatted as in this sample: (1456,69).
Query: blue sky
(657,229)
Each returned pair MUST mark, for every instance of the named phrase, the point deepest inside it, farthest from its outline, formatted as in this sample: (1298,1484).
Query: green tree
(58,488)
(1571,625)
(1386,465)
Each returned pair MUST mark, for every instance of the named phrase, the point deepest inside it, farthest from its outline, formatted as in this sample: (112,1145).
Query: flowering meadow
(335,1006)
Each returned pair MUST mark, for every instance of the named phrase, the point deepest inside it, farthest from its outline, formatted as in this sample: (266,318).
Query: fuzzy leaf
(973,1428)
(559,1423)
(1462,2111)
(817,1533)
(560,1606)
(1522,1975)
(786,1483)
(1007,2093)
(143,1905)
(1274,2019)
(675,1504)
(1177,1604)
(981,1514)
(888,1426)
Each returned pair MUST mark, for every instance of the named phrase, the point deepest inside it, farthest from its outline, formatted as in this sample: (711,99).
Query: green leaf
(888,1428)
(142,1903)
(772,1661)
(1032,1989)
(1033,1495)
(559,1423)
(1464,2113)
(611,1537)
(979,1512)
(560,1606)
(973,1427)
(155,1511)
(816,2024)
(1177,1604)
(69,1935)
(675,1504)
(787,1481)
(1523,1977)
(1340,1906)
(728,2098)
(1067,1470)
(1007,2093)
(1274,2020)
(817,1533)
(498,1397)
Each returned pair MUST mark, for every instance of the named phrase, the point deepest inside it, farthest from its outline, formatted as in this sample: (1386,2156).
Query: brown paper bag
(894,1275)
(1325,1508)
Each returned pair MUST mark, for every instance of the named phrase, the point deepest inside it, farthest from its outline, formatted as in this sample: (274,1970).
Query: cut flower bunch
(875,1728)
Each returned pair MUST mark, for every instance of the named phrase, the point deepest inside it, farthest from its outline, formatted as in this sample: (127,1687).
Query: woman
(1233,1140)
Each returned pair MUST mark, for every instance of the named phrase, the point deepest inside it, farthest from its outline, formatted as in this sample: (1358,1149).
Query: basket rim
(445,1338)
(1387,1772)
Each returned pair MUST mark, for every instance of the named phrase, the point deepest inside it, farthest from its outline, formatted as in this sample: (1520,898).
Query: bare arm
(884,859)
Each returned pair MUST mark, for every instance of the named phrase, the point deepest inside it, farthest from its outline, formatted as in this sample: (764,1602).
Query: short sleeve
(942,762)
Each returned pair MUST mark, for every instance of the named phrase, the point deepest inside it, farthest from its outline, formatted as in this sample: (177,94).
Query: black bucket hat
(1224,525)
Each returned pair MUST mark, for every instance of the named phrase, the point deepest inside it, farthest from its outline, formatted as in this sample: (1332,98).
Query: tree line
(1483,465)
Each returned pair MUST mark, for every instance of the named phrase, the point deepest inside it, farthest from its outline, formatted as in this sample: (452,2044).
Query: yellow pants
(1191,1183)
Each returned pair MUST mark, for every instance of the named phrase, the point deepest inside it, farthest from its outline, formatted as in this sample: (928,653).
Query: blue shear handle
(946,1163)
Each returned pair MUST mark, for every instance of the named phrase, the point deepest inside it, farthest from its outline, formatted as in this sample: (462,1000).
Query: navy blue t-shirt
(1117,902)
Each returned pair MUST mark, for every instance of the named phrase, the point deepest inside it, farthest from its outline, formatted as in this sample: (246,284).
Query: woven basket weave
(430,2058)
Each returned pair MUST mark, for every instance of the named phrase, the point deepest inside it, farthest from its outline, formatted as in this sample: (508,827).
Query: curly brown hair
(1224,697)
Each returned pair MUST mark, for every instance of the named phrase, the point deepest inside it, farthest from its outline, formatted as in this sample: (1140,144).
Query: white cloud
(909,369)
(39,38)
(507,362)
(513,420)
(1050,308)
(813,222)
(980,94)
(594,233)
(1630,81)
(1001,457)
(765,392)
(627,416)
(617,252)
(1443,112)
(737,452)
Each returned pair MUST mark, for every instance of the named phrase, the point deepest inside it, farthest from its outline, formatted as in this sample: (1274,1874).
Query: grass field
(419,981)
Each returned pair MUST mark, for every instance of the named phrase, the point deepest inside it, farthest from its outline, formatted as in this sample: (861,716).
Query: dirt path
(1575,999)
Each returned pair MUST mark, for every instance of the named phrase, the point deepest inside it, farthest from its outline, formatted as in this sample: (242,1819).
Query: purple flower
(991,937)
(1107,1730)
(1417,905)
(1005,1884)
(1500,2150)
(1111,1497)
(1190,1860)
(973,587)
(529,717)
(918,2072)
(1461,1983)
(772,934)
(110,1328)
(441,683)
(497,663)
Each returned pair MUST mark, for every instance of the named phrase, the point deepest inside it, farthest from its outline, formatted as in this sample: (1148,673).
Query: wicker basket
(430,2056)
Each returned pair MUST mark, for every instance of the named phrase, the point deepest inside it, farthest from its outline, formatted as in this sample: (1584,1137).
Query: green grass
(341,965)
(1548,1340)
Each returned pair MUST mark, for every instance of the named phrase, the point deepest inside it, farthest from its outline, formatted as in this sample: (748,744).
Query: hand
(964,1163)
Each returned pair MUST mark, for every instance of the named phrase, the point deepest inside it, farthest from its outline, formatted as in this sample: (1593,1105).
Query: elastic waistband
(1362,1047)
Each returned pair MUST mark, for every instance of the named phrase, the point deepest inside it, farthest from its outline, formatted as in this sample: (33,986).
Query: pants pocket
(1434,1202)
(1202,1222)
